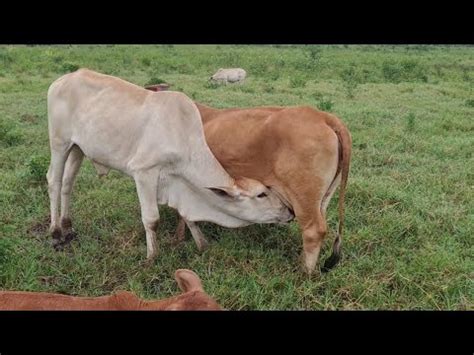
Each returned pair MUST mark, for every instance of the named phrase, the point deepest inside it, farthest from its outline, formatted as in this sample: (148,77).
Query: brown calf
(300,153)
(193,298)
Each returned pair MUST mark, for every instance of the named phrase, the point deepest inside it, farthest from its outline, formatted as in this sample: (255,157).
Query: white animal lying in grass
(232,75)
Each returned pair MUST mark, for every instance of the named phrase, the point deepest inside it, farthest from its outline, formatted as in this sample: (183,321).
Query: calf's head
(253,202)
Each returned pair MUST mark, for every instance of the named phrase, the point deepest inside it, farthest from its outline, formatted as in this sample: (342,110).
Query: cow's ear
(224,192)
(188,280)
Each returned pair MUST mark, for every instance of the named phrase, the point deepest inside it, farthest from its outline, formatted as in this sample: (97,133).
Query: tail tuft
(335,257)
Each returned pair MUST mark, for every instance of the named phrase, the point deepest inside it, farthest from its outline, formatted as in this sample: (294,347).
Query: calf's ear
(224,191)
(188,280)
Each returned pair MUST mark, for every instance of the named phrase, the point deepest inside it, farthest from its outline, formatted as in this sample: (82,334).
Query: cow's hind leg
(147,192)
(198,237)
(71,169)
(314,231)
(333,260)
(180,231)
(201,242)
(55,173)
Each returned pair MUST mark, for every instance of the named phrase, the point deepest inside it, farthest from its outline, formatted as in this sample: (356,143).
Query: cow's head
(254,202)
(217,75)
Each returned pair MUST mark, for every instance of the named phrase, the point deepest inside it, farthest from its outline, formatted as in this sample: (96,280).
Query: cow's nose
(292,213)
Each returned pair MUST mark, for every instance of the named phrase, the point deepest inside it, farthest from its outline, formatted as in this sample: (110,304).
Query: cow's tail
(345,148)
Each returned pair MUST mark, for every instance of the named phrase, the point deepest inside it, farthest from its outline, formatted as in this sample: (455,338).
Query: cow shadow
(284,238)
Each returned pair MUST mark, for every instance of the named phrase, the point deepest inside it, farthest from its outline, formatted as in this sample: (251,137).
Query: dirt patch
(49,280)
(29,118)
(124,241)
(39,229)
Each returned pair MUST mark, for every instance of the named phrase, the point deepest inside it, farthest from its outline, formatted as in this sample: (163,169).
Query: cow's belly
(108,155)
(111,145)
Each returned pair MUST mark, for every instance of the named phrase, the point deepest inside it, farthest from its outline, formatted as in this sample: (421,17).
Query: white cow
(231,75)
(155,137)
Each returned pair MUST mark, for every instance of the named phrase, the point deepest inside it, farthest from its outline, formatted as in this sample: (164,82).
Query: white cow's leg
(198,237)
(147,192)
(71,169)
(55,176)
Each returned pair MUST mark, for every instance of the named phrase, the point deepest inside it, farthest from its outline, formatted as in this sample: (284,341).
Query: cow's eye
(263,194)
(219,192)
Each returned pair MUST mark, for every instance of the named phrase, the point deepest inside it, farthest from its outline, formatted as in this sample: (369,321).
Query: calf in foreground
(158,140)
(192,298)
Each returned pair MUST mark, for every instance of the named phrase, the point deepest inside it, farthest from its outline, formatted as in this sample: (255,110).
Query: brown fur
(297,151)
(193,298)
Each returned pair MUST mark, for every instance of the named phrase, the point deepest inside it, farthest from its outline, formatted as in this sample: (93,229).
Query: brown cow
(193,298)
(300,153)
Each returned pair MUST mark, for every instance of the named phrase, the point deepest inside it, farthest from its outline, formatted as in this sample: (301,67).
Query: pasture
(408,241)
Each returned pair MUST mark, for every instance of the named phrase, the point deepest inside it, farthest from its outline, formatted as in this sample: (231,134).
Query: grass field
(409,208)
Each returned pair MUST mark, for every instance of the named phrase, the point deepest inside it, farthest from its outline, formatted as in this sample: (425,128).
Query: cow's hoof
(70,235)
(148,262)
(57,239)
(150,257)
(308,272)
(203,246)
(330,262)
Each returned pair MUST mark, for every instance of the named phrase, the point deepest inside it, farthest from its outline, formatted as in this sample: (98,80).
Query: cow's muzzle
(289,216)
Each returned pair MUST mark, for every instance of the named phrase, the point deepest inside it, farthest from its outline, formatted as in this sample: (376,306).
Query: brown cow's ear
(158,87)
(188,280)
(151,88)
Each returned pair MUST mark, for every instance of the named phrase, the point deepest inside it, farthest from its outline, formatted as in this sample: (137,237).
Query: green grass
(409,215)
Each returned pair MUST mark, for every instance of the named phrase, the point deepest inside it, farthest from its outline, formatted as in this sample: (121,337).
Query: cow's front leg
(198,237)
(147,191)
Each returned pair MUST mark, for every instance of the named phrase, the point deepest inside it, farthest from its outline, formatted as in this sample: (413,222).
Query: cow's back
(103,114)
(255,142)
(19,300)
